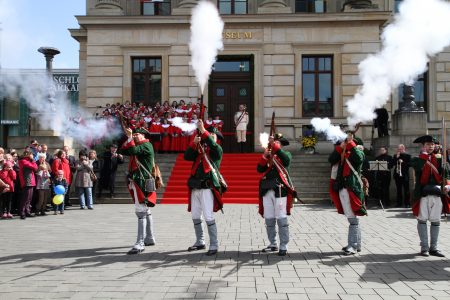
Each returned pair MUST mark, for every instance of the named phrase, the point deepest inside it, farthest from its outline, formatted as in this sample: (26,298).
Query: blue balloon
(59,190)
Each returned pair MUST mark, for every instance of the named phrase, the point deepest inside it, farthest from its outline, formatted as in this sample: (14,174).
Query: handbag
(149,183)
(93,176)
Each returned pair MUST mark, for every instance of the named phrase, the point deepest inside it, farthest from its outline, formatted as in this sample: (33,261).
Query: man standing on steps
(111,160)
(347,191)
(241,121)
(141,154)
(205,188)
(427,203)
(275,197)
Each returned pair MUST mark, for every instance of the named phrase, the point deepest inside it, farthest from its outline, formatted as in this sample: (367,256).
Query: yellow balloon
(58,199)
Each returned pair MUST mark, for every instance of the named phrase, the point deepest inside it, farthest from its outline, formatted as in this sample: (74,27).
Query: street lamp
(49,53)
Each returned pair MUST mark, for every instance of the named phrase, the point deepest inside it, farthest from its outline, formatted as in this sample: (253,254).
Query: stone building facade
(299,57)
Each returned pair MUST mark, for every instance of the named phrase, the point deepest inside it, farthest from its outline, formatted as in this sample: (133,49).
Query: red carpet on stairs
(239,171)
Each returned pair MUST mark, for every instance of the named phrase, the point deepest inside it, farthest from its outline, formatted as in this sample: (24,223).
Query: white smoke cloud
(206,40)
(264,139)
(332,132)
(56,114)
(419,31)
(186,127)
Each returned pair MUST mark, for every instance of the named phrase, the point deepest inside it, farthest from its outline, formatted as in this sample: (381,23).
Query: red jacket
(26,172)
(8,177)
(62,164)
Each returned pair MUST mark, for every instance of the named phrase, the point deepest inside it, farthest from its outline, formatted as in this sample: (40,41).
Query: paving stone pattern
(82,255)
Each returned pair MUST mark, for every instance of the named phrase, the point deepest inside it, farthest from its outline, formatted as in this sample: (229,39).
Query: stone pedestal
(406,127)
(409,123)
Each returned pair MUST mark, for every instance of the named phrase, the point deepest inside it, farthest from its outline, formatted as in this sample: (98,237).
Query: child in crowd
(59,180)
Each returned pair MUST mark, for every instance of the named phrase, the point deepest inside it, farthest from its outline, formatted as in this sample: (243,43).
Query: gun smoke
(52,110)
(332,132)
(419,31)
(206,40)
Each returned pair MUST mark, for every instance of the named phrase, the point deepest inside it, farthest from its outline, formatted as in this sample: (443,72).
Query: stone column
(184,7)
(109,7)
(274,7)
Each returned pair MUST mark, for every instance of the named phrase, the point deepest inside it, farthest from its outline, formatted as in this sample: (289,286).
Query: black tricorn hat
(279,137)
(425,139)
(214,130)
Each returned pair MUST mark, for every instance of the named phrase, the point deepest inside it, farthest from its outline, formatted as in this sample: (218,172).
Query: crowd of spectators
(28,180)
(28,177)
(158,120)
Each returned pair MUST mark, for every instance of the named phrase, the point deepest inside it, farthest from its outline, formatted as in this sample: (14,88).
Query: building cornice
(379,17)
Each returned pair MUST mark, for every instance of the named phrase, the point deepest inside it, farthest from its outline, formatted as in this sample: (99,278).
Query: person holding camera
(142,160)
(348,188)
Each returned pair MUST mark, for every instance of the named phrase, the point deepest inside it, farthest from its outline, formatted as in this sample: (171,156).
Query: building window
(396,5)
(310,6)
(232,66)
(317,83)
(420,92)
(155,7)
(232,7)
(146,81)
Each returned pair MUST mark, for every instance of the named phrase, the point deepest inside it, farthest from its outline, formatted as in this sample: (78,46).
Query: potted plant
(308,144)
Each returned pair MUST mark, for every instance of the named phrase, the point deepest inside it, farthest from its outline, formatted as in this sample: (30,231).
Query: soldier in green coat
(275,192)
(142,157)
(205,188)
(347,191)
(428,202)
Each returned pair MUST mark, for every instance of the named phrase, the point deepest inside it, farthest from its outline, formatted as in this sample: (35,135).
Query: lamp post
(49,53)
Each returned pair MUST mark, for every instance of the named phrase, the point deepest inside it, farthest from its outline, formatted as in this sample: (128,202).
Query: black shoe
(90,207)
(135,251)
(345,249)
(82,207)
(23,217)
(425,253)
(195,248)
(211,252)
(270,249)
(29,216)
(437,253)
(349,251)
(149,243)
(282,253)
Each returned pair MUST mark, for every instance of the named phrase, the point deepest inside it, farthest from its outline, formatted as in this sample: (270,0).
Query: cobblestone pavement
(82,255)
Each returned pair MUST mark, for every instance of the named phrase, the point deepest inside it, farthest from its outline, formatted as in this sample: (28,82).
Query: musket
(214,171)
(280,168)
(122,122)
(272,125)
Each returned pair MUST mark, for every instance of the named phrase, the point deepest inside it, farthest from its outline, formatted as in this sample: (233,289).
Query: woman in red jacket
(62,163)
(8,176)
(27,167)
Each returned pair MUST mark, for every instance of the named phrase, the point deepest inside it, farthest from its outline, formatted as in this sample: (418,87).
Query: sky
(26,25)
